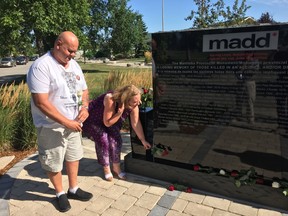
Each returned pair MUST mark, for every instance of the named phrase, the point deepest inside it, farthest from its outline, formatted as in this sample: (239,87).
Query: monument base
(259,196)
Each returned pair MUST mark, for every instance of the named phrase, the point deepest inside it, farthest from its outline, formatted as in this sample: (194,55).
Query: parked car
(8,62)
(33,58)
(21,60)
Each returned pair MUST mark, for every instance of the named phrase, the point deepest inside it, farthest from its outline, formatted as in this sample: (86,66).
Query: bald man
(59,106)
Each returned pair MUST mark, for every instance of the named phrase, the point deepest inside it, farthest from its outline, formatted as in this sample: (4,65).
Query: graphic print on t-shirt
(71,82)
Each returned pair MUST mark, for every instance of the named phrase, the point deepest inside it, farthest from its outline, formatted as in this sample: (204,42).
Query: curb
(7,181)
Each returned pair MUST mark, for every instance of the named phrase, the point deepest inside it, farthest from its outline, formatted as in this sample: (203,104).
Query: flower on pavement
(171,188)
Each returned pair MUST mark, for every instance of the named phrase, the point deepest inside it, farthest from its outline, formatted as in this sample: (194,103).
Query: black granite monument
(221,104)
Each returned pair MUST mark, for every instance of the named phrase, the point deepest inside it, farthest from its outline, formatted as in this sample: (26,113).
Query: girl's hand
(146,145)
(121,108)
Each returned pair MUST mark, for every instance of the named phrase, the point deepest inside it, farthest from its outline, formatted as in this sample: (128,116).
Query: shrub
(148,57)
(119,56)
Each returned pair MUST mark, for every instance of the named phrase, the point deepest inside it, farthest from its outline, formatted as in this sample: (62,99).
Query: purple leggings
(108,144)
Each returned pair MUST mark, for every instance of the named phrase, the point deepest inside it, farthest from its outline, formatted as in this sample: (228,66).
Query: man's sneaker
(63,203)
(80,195)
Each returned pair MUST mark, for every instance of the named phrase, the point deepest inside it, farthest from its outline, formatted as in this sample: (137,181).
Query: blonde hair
(125,93)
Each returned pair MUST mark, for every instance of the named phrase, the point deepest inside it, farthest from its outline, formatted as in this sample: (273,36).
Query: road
(14,74)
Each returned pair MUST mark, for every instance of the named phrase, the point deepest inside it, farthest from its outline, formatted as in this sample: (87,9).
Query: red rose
(259,181)
(165,152)
(171,188)
(234,173)
(188,190)
(145,91)
(196,167)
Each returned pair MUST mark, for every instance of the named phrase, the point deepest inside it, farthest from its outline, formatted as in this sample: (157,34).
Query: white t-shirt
(63,85)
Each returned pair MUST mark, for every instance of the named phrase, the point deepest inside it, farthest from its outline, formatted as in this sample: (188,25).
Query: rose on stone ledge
(160,149)
(179,188)
(245,177)
(281,183)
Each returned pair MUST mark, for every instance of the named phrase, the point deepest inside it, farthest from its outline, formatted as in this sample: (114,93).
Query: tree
(236,16)
(28,20)
(127,29)
(140,36)
(266,18)
(10,27)
(101,25)
(216,14)
(207,13)
(120,27)
(97,30)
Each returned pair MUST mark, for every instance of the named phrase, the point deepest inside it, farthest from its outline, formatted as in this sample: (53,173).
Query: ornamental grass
(16,129)
(141,79)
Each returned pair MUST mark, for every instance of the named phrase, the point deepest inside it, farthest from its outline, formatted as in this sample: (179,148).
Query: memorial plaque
(220,103)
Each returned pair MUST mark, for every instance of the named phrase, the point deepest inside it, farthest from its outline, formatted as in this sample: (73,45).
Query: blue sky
(175,12)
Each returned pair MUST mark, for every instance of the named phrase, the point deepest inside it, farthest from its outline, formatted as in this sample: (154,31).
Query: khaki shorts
(56,145)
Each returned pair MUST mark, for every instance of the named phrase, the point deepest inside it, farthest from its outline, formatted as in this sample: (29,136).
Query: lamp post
(162,15)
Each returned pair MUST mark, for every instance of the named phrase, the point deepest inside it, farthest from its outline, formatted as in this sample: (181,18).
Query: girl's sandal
(109,176)
(121,175)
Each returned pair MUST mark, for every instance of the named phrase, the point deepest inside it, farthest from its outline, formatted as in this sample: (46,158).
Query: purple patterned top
(96,111)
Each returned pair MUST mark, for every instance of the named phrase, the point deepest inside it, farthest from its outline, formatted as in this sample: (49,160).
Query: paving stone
(96,191)
(242,209)
(265,212)
(4,161)
(137,190)
(87,213)
(137,211)
(87,183)
(78,206)
(100,205)
(126,184)
(217,202)
(179,205)
(114,192)
(157,190)
(174,193)
(113,212)
(198,210)
(158,210)
(166,201)
(124,202)
(105,184)
(49,210)
(12,210)
(218,212)
(148,201)
(192,197)
(175,213)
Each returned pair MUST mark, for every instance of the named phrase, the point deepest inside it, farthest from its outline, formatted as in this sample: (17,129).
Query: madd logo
(245,41)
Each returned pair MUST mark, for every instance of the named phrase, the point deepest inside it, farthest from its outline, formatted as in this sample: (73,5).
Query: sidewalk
(26,191)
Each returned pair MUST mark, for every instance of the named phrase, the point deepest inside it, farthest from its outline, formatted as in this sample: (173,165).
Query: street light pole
(162,15)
